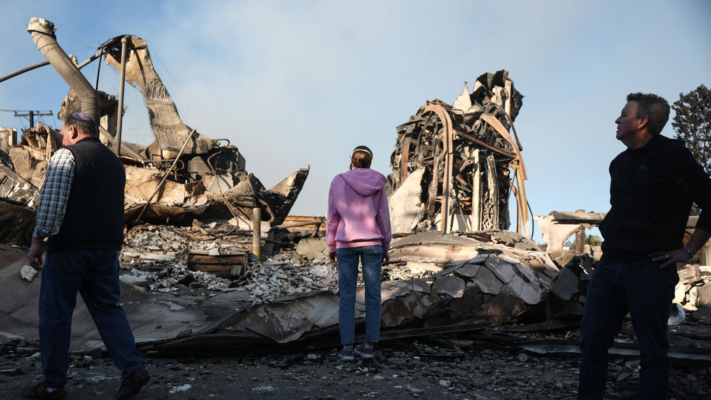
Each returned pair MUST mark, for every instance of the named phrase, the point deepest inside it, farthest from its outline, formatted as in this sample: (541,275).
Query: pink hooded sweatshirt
(358,212)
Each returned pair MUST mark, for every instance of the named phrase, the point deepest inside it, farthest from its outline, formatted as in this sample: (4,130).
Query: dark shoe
(365,352)
(346,353)
(132,384)
(39,391)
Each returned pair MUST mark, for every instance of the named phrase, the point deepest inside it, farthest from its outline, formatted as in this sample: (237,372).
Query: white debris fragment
(183,388)
(28,273)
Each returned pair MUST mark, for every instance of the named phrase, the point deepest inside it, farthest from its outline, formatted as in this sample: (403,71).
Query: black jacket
(94,217)
(651,192)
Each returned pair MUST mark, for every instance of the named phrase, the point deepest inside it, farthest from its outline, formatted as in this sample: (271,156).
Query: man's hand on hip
(34,256)
(670,257)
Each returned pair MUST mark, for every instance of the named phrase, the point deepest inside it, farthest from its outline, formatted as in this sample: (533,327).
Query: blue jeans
(94,274)
(646,292)
(372,260)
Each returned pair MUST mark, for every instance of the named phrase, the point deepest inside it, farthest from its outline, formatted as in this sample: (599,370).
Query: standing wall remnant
(462,157)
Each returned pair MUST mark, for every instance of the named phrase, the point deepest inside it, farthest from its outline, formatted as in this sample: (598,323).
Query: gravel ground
(484,372)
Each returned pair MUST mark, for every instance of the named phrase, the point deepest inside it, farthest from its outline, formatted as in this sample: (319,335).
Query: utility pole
(32,115)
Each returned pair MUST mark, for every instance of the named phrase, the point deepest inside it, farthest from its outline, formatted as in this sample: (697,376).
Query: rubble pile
(18,201)
(157,257)
(166,243)
(476,279)
(30,157)
(693,292)
(452,163)
(570,287)
(166,278)
(281,281)
(8,138)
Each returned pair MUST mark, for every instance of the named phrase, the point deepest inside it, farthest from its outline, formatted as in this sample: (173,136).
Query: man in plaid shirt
(81,214)
(53,199)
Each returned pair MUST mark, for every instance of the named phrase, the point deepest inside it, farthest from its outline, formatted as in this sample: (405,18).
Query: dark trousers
(646,292)
(94,274)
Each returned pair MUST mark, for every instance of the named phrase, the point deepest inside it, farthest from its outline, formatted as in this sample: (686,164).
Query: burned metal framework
(181,176)
(467,154)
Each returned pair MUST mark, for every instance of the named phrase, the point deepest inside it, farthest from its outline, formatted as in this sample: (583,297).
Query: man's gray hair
(87,127)
(654,107)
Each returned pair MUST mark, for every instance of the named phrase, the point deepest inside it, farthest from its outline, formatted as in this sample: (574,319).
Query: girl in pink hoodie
(358,229)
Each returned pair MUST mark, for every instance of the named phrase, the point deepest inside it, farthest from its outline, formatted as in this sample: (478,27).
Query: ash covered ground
(398,372)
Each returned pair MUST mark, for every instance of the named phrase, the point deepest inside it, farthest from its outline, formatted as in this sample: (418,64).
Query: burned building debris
(207,179)
(191,277)
(165,121)
(558,226)
(452,163)
(8,138)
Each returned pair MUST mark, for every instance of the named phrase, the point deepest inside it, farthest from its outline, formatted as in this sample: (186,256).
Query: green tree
(692,124)
(594,240)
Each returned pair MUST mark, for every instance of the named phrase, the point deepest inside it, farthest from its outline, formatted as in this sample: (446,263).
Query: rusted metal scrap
(452,163)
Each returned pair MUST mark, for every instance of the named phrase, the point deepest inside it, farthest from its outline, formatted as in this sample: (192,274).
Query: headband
(364,150)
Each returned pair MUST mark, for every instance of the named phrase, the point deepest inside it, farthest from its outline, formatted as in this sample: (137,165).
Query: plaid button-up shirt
(54,194)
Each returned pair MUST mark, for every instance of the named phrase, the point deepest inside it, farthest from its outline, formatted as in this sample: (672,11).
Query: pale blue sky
(301,83)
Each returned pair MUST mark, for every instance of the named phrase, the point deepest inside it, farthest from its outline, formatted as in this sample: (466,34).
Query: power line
(32,116)
(37,111)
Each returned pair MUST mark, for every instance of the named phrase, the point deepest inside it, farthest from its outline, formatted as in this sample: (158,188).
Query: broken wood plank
(217,260)
(563,217)
(299,224)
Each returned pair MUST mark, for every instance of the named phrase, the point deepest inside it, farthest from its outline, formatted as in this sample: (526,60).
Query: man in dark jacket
(654,183)
(81,212)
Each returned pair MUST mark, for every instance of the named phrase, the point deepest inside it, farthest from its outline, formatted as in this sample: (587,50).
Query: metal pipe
(98,73)
(119,117)
(23,70)
(43,63)
(90,59)
(42,32)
